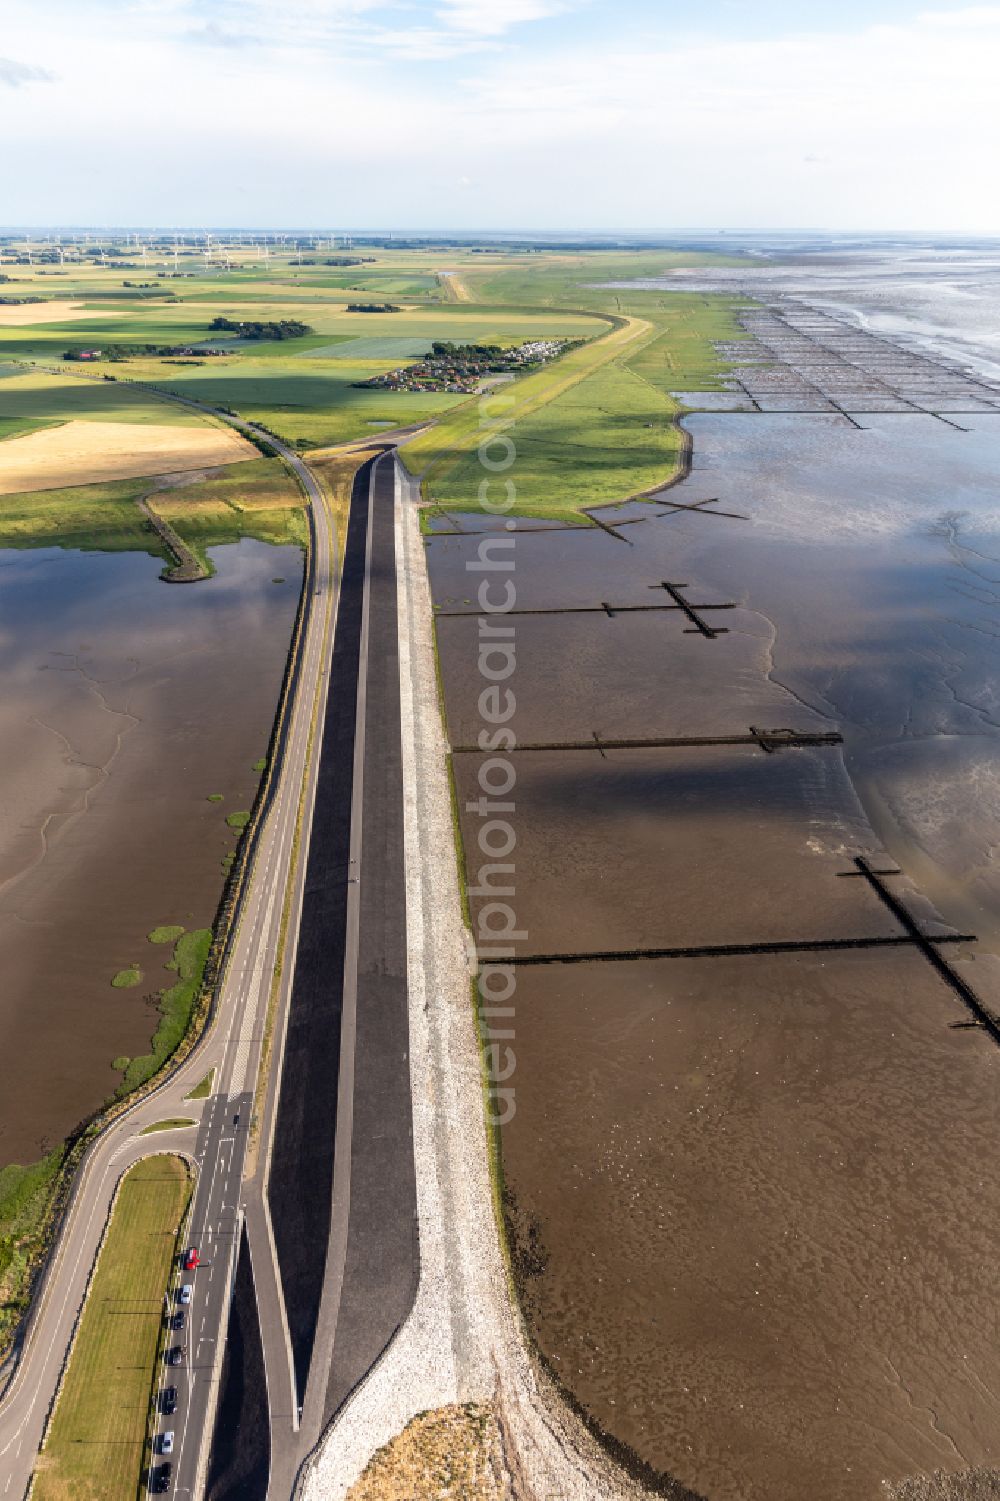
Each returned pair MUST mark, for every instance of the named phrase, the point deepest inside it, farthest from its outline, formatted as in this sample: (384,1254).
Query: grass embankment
(610,432)
(177,1123)
(96,1446)
(335,472)
(176,1006)
(256,499)
(27,1197)
(560,407)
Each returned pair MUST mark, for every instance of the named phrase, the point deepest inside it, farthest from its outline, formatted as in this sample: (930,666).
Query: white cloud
(14,74)
(891,126)
(492,18)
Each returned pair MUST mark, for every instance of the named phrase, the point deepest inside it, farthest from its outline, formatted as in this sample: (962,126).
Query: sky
(867,115)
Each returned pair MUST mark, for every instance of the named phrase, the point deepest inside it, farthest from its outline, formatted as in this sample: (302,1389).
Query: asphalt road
(342,1186)
(381,1259)
(300,1186)
(241,1448)
(362,1247)
(218,1147)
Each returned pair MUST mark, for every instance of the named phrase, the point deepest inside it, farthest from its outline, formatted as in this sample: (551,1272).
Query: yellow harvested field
(80,453)
(19,314)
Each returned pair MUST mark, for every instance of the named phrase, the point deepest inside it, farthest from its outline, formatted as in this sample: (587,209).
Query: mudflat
(753,1212)
(126,703)
(748,1194)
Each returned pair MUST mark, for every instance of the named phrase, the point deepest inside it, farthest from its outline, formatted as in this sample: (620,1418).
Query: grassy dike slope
(95,1449)
(446,457)
(600,424)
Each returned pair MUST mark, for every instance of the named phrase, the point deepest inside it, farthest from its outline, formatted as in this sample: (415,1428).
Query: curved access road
(232,1047)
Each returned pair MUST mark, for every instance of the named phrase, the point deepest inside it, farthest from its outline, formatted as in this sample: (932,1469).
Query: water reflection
(753,1188)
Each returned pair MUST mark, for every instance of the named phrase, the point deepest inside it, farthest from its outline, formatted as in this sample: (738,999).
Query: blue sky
(502,113)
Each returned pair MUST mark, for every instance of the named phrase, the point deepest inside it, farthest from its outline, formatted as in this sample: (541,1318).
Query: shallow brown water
(765,1209)
(655,680)
(756,1191)
(125,703)
(673,848)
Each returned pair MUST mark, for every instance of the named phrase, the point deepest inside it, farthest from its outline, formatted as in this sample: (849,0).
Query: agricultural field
(46,459)
(96,1446)
(307,389)
(30,400)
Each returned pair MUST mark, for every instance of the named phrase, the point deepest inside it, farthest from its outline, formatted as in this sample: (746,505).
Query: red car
(191,1259)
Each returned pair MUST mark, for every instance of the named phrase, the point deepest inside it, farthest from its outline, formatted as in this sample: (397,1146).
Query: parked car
(168,1400)
(160,1477)
(166,1442)
(191,1259)
(175,1355)
(177,1319)
(186,1292)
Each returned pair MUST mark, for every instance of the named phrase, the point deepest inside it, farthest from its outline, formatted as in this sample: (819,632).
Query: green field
(610,436)
(614,433)
(31,400)
(611,439)
(258,498)
(96,1446)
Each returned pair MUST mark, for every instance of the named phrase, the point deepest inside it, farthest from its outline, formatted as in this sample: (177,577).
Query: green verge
(27,1196)
(96,1447)
(176,1006)
(203,1088)
(175,1124)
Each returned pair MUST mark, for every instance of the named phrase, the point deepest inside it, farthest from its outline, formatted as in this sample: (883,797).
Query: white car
(167,1442)
(187,1292)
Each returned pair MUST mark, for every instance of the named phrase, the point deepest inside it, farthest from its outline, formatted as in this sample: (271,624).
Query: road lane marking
(252,946)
